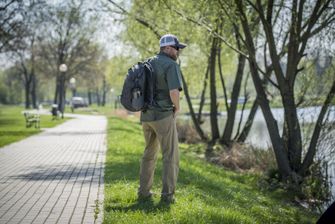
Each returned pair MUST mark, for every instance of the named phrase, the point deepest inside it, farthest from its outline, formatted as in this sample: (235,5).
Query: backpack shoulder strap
(152,79)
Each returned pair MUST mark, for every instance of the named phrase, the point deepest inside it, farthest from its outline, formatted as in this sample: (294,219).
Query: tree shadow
(18,133)
(128,130)
(9,122)
(62,172)
(198,182)
(115,171)
(147,206)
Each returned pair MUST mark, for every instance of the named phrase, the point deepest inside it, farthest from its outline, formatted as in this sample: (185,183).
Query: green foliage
(205,193)
(3,93)
(13,126)
(316,186)
(116,69)
(9,81)
(68,37)
(311,87)
(174,17)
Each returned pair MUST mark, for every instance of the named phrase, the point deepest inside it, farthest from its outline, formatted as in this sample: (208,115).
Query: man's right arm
(174,95)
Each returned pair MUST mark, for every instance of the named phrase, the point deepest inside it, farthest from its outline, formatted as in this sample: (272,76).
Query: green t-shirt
(168,77)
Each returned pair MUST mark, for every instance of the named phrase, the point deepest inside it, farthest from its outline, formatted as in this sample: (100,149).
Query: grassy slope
(13,125)
(205,193)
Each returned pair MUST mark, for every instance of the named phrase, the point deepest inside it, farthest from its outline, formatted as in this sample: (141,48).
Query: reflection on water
(259,136)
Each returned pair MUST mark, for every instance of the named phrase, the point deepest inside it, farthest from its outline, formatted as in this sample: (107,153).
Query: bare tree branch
(207,27)
(317,130)
(141,21)
(8,4)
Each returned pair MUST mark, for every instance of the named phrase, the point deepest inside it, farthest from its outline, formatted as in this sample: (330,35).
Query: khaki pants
(161,133)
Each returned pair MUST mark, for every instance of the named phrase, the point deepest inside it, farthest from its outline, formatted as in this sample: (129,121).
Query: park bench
(32,118)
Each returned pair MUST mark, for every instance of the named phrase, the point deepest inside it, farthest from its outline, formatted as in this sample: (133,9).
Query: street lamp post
(61,105)
(73,88)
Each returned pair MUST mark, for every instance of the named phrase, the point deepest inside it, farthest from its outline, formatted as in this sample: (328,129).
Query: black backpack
(139,87)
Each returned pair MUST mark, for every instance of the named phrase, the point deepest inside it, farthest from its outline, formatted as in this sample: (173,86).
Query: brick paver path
(55,176)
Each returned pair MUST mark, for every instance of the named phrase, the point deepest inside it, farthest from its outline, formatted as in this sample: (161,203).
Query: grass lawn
(13,125)
(91,110)
(205,193)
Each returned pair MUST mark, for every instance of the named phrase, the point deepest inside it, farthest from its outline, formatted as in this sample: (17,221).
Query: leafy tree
(9,81)
(69,30)
(18,35)
(274,38)
(153,23)
(299,21)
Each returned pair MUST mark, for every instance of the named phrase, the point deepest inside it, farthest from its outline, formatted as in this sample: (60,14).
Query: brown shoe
(147,197)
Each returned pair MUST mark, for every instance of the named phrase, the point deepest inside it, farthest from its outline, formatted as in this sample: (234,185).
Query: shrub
(244,157)
(187,133)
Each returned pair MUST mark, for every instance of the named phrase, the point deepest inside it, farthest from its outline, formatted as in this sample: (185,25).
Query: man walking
(159,121)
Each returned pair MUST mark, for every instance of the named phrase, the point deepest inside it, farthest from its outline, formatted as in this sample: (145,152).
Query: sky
(109,32)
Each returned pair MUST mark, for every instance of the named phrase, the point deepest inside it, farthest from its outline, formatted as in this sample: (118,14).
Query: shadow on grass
(116,171)
(144,206)
(10,122)
(208,190)
(18,133)
(128,130)
(125,165)
(199,184)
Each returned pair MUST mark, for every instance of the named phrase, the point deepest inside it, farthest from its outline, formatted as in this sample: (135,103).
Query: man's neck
(165,53)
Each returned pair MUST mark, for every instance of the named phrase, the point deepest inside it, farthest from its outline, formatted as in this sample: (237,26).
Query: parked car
(78,102)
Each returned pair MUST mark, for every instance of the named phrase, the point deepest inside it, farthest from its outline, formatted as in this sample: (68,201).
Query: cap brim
(181,45)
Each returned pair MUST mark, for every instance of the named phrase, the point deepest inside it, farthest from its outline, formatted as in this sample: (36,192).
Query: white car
(78,102)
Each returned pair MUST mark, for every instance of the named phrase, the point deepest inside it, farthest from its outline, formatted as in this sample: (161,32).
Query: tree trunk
(293,142)
(89,96)
(32,74)
(27,83)
(246,129)
(222,81)
(61,102)
(203,95)
(33,91)
(277,142)
(27,95)
(308,160)
(104,91)
(103,100)
(194,119)
(60,91)
(57,90)
(214,111)
(98,97)
(228,130)
(271,123)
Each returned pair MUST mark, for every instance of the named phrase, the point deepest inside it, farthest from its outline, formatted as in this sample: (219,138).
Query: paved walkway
(55,176)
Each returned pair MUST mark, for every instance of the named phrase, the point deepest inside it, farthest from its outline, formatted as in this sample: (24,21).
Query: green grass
(13,125)
(205,193)
(91,110)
